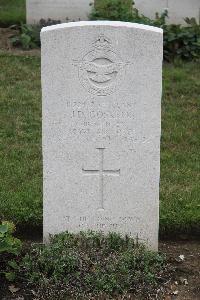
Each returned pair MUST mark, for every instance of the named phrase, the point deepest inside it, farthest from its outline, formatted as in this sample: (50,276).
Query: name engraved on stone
(101,172)
(120,114)
(101,69)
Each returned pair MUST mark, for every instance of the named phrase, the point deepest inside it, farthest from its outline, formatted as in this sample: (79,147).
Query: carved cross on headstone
(101,172)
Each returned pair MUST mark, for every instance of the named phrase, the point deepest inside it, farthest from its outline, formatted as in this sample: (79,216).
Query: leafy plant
(8,243)
(9,247)
(182,42)
(121,10)
(28,37)
(92,264)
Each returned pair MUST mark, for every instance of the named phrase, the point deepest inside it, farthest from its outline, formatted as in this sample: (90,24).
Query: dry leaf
(182,257)
(13,289)
(175,293)
(168,297)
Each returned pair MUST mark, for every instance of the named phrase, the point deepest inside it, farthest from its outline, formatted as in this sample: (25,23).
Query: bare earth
(185,257)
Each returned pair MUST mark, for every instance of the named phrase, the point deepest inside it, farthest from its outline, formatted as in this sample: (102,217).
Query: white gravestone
(178,10)
(57,10)
(101,85)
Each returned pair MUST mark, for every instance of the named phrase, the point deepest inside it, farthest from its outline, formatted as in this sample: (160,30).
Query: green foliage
(180,157)
(12,12)
(112,10)
(182,42)
(28,37)
(120,10)
(93,264)
(20,140)
(8,245)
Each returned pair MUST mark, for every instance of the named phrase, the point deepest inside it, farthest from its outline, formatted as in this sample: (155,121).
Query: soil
(185,257)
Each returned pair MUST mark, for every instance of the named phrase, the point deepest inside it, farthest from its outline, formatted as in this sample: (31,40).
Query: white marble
(101,85)
(74,10)
(180,9)
(177,9)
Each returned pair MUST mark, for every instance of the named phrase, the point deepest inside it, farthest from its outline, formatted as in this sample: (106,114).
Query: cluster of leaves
(29,35)
(84,264)
(179,41)
(113,10)
(10,247)
(182,42)
(122,10)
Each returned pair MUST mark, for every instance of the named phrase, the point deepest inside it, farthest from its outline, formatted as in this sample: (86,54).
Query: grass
(180,151)
(20,140)
(12,12)
(20,144)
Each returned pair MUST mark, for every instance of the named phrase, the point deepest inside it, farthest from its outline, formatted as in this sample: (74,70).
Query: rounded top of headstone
(102,23)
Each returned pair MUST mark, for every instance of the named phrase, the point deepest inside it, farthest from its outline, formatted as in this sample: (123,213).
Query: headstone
(101,86)
(150,8)
(61,10)
(178,10)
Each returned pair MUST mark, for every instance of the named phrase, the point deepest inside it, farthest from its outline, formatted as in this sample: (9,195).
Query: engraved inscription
(103,223)
(101,172)
(109,121)
(101,69)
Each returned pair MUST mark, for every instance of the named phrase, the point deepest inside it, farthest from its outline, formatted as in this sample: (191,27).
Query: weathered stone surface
(101,128)
(178,10)
(57,10)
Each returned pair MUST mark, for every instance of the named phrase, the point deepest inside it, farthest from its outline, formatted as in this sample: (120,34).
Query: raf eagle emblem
(101,69)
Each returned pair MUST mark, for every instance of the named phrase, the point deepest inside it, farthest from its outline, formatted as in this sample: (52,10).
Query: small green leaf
(10,276)
(3,228)
(13,264)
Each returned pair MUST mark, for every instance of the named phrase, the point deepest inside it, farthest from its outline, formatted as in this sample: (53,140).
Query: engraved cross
(101,172)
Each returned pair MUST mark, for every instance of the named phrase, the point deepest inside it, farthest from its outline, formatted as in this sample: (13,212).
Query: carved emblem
(101,69)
